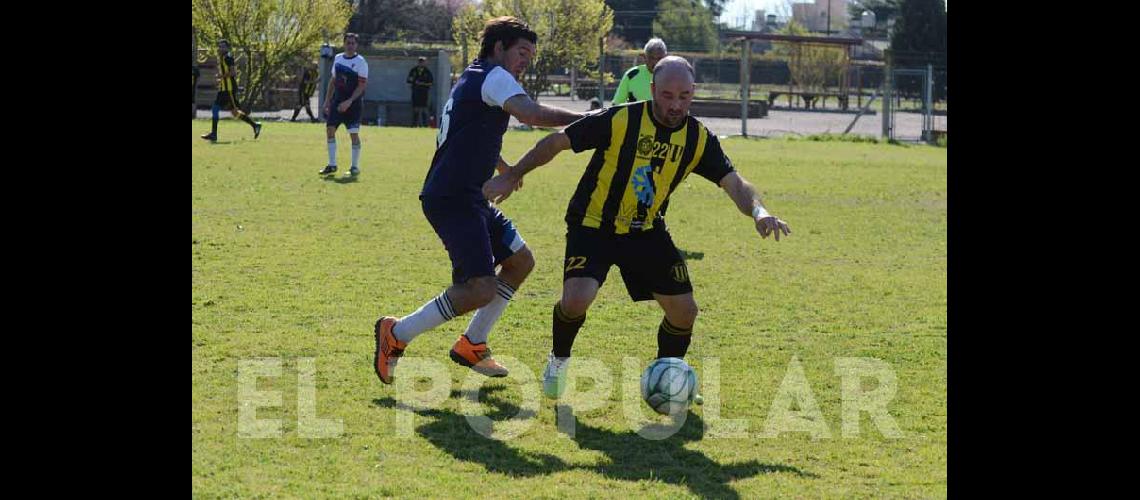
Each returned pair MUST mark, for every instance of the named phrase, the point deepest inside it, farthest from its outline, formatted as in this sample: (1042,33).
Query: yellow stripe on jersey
(618,124)
(627,210)
(225,83)
(673,162)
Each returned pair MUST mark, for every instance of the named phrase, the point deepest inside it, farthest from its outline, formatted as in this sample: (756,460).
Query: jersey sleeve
(362,71)
(500,86)
(591,131)
(714,163)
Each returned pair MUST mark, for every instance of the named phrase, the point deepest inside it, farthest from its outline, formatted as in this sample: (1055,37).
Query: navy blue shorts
(350,118)
(477,236)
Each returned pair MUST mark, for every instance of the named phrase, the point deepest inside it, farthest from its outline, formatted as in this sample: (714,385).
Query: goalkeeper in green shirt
(634,84)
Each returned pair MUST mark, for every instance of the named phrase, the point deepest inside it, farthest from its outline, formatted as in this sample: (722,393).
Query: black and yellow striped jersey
(308,82)
(226,67)
(637,164)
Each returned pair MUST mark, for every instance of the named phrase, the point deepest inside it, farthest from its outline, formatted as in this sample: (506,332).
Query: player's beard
(664,117)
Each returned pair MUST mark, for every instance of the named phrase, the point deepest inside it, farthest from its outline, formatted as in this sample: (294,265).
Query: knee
(575,304)
(521,263)
(685,314)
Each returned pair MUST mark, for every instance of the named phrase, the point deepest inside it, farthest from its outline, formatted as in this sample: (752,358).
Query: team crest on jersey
(648,147)
(645,145)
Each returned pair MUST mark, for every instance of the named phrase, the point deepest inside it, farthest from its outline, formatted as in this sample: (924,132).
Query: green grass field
(291,267)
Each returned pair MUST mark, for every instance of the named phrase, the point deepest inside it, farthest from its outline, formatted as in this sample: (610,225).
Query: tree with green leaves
(920,31)
(267,37)
(919,39)
(633,19)
(404,20)
(686,25)
(569,33)
(812,66)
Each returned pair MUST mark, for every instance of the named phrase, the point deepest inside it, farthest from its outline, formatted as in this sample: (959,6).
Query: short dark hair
(504,29)
(223,40)
(353,36)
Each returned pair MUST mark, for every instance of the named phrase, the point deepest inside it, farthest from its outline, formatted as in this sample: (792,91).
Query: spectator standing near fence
(421,80)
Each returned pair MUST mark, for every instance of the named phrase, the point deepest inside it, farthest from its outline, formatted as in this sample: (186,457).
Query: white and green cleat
(554,377)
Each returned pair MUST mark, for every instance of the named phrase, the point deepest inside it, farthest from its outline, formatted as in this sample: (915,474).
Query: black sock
(296,111)
(672,342)
(565,329)
(246,118)
(214,126)
(309,111)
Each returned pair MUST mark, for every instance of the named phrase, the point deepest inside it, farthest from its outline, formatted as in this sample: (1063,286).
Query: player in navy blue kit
(342,104)
(477,236)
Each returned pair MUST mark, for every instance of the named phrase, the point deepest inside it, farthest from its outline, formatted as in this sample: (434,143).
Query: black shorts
(649,261)
(350,118)
(225,100)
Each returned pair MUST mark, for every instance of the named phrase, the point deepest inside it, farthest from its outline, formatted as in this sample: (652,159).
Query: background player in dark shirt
(227,93)
(420,79)
(477,236)
(305,88)
(616,217)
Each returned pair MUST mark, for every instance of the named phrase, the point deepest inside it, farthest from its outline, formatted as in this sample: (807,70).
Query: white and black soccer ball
(668,385)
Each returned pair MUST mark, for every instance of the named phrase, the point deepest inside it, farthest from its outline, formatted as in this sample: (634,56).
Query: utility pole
(828,17)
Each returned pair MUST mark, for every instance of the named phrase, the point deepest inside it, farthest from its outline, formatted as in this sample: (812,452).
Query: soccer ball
(668,385)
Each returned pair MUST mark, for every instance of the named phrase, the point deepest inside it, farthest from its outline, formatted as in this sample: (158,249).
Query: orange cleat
(476,357)
(388,349)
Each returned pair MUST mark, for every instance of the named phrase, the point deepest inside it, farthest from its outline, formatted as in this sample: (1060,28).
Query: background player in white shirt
(343,104)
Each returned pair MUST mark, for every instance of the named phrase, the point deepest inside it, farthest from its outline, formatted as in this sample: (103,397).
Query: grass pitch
(292,269)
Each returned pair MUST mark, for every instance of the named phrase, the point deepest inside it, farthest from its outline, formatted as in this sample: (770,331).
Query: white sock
(486,316)
(332,152)
(355,154)
(435,312)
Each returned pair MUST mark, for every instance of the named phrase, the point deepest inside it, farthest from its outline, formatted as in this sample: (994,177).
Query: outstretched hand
(770,224)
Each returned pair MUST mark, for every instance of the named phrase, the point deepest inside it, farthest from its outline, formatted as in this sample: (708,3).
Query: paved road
(908,125)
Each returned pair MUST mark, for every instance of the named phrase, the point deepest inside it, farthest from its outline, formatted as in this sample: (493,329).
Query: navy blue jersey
(347,73)
(471,132)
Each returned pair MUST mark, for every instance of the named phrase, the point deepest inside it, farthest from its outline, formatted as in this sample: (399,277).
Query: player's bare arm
(329,96)
(501,186)
(361,84)
(540,115)
(744,194)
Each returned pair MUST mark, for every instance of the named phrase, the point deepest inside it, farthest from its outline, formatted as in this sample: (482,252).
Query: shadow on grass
(691,255)
(629,457)
(341,180)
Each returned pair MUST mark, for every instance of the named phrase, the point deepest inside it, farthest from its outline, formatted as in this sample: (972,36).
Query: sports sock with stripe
(672,342)
(565,330)
(486,316)
(435,312)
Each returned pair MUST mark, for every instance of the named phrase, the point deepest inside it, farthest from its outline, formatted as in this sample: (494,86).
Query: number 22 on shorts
(573,263)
